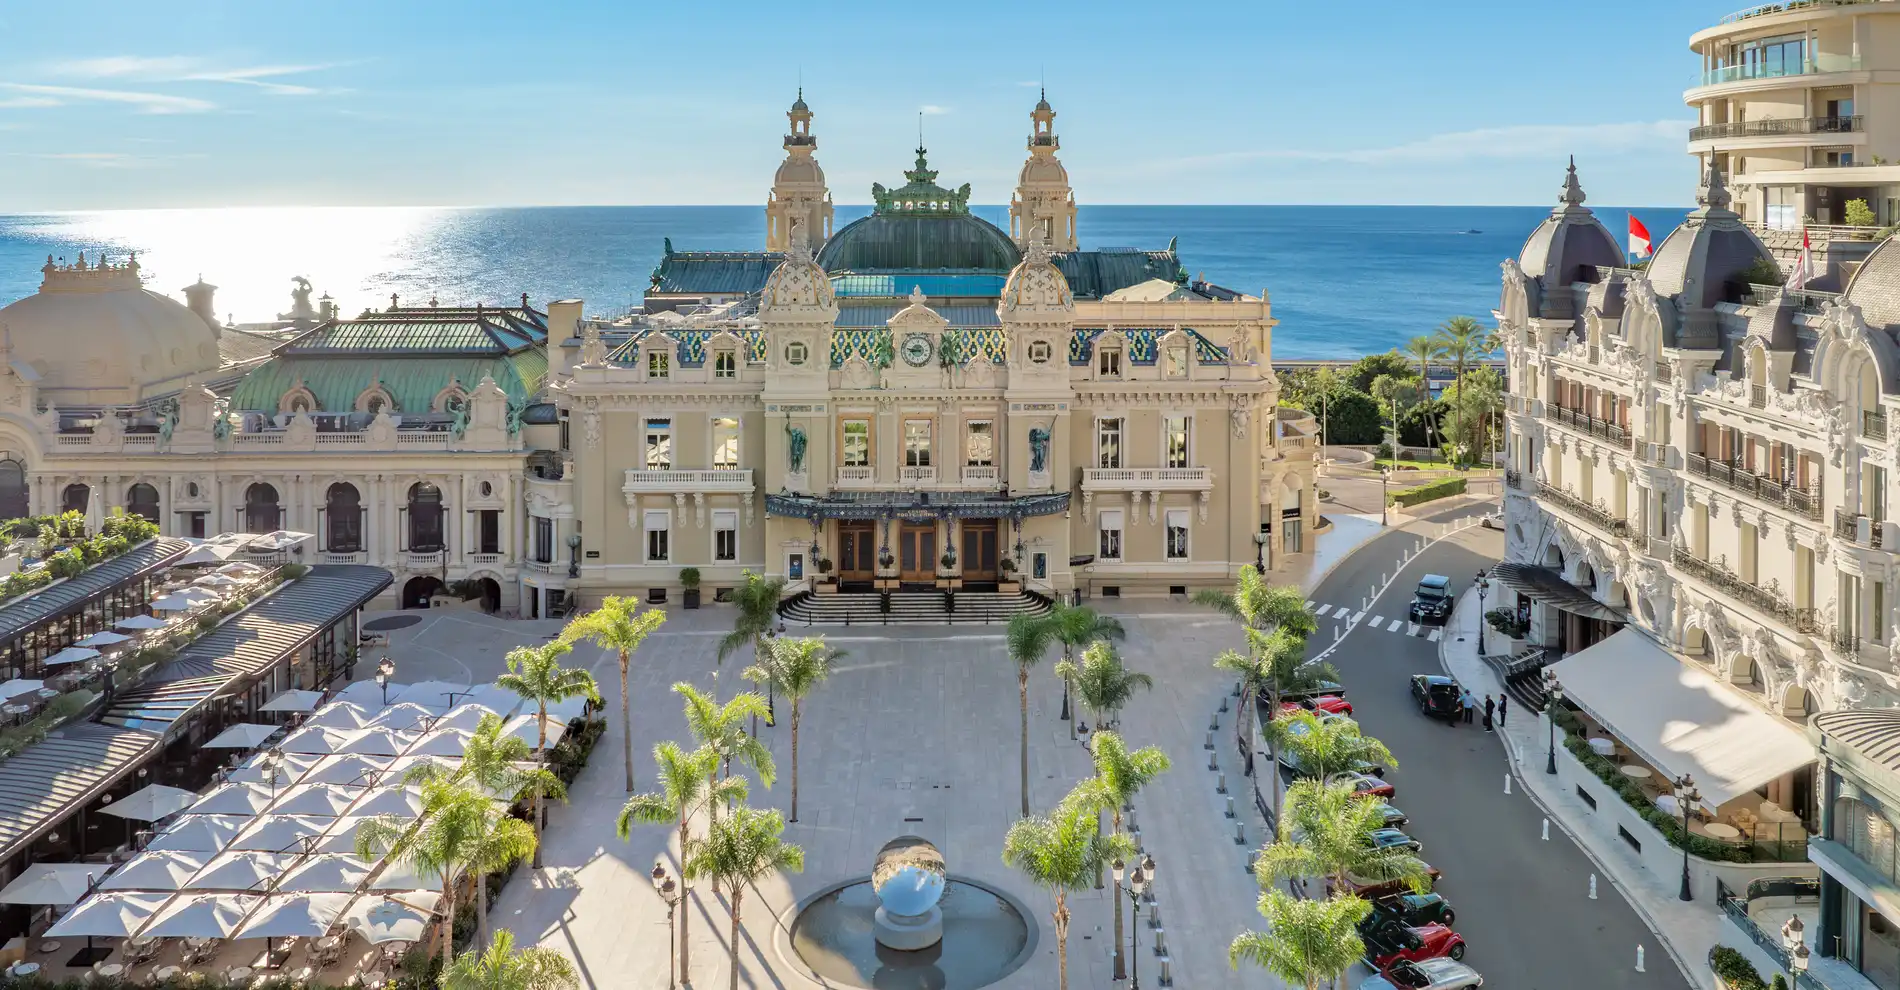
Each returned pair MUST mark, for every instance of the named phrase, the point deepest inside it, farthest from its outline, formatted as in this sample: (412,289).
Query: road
(1522,903)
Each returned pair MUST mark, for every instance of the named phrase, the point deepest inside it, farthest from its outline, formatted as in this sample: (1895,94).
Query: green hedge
(1425,493)
(1632,794)
(1735,969)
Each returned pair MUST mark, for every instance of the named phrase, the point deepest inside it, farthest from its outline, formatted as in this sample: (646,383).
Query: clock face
(917,350)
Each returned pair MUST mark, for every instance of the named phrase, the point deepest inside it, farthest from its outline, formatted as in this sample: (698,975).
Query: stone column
(514,517)
(372,489)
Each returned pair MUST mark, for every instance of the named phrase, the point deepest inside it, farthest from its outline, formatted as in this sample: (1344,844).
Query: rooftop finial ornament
(1037,252)
(1714,194)
(1572,194)
(801,244)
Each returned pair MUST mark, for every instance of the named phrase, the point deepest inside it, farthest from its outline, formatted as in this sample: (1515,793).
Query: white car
(1426,974)
(1493,520)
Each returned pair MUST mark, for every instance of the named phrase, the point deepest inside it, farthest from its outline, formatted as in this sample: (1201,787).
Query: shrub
(689,576)
(1855,213)
(1442,488)
(1506,621)
(1735,969)
(292,572)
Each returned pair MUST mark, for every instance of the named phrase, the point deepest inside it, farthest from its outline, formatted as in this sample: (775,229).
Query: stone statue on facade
(795,449)
(1038,450)
(300,307)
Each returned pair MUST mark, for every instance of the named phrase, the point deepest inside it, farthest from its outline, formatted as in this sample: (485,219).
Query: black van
(1431,603)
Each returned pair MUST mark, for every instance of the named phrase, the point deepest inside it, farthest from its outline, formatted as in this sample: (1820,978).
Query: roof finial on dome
(1714,193)
(800,252)
(917,295)
(392,301)
(1037,251)
(1572,194)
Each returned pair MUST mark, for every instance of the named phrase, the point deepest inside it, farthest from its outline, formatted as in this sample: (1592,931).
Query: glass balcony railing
(1777,127)
(1773,70)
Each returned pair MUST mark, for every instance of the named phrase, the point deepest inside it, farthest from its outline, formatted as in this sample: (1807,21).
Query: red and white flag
(1639,238)
(1803,264)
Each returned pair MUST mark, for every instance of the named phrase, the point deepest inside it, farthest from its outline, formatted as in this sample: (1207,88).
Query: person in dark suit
(1490,710)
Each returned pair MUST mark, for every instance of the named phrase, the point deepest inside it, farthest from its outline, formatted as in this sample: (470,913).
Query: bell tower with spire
(1043,198)
(799,194)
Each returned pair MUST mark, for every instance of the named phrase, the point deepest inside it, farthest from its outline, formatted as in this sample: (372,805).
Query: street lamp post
(385,668)
(1686,796)
(1484,585)
(1798,963)
(1384,473)
(670,893)
(1260,552)
(1553,696)
(1794,939)
(1138,883)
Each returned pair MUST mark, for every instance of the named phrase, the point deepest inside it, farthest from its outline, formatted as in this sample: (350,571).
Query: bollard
(1240,833)
(1213,761)
(1253,859)
(1220,785)
(1236,691)
(1167,972)
(1639,959)
(1230,806)
(1546,830)
(1154,917)
(1507,783)
(1223,704)
(1161,943)
(1213,723)
(1593,886)
(1209,744)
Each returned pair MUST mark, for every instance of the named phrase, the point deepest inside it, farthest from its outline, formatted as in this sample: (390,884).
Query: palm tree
(1460,341)
(1062,852)
(721,728)
(620,626)
(503,841)
(535,673)
(757,602)
(503,968)
(1327,832)
(688,782)
(1076,626)
(444,840)
(1276,624)
(1102,684)
(737,852)
(794,667)
(1028,637)
(1308,943)
(1427,351)
(1119,775)
(1319,747)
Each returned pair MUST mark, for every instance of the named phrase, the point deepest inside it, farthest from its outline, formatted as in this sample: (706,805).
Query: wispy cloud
(101,159)
(27,102)
(182,68)
(260,76)
(933,110)
(123,66)
(154,103)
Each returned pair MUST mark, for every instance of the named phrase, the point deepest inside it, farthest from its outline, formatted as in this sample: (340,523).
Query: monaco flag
(1639,238)
(1803,264)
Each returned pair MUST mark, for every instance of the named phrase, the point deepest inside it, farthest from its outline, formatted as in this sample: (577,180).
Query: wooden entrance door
(857,551)
(979,550)
(917,551)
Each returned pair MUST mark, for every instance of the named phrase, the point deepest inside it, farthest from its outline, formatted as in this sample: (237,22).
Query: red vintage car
(1388,944)
(1365,785)
(1324,703)
(1373,890)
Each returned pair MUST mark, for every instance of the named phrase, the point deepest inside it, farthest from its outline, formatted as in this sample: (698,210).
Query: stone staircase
(909,608)
(1523,674)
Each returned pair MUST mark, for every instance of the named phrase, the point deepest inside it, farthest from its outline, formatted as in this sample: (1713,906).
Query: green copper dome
(919,226)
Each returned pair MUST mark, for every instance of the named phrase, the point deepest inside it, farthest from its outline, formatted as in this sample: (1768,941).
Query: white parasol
(244,735)
(523,727)
(52,883)
(290,769)
(151,803)
(281,539)
(341,837)
(173,603)
(442,742)
(233,799)
(388,918)
(216,581)
(298,915)
(200,916)
(104,638)
(281,833)
(242,869)
(95,508)
(71,654)
(293,701)
(200,833)
(377,742)
(339,872)
(19,686)
(465,716)
(404,876)
(318,739)
(497,699)
(241,568)
(437,696)
(115,915)
(401,716)
(144,623)
(353,769)
(160,869)
(403,802)
(341,715)
(324,800)
(368,694)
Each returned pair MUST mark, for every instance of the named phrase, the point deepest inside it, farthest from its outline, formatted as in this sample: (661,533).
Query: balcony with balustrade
(1766,599)
(1567,503)
(1589,425)
(1805,502)
(1778,127)
(1170,479)
(1859,530)
(1873,424)
(734,481)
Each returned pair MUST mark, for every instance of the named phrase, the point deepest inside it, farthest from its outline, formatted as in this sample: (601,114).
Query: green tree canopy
(1370,367)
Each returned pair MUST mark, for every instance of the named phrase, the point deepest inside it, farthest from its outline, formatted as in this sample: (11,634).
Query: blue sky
(109,105)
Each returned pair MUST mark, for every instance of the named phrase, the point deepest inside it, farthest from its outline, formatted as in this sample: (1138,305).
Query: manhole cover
(389,622)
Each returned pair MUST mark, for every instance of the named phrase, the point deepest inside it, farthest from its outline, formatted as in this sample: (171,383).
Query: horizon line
(702,206)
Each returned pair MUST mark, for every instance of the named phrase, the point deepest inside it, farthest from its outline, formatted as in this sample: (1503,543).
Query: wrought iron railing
(1766,598)
(1847,527)
(1612,432)
(1664,373)
(1873,424)
(1799,888)
(1806,501)
(1769,128)
(1578,507)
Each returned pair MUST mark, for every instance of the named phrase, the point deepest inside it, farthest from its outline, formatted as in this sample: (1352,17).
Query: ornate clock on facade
(917,350)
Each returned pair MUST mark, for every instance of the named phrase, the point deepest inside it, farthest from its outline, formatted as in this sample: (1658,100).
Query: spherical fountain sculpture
(908,878)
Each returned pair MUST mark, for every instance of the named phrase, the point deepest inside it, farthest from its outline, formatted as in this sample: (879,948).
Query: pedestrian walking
(1490,709)
(1504,707)
(1470,705)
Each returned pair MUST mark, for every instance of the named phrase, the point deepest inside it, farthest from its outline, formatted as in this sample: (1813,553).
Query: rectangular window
(1039,566)
(1177,361)
(981,443)
(543,540)
(1177,534)
(917,443)
(1176,439)
(725,438)
(1108,443)
(659,364)
(1111,532)
(725,534)
(658,526)
(726,364)
(857,443)
(1108,362)
(659,445)
(488,537)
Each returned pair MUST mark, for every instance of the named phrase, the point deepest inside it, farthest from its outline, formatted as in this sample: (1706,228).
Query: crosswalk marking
(1377,619)
(1437,634)
(1411,628)
(1356,616)
(1394,627)
(1321,611)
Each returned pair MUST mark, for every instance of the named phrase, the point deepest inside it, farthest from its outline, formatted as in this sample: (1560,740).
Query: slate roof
(424,331)
(413,382)
(899,241)
(23,613)
(45,782)
(1094,274)
(713,272)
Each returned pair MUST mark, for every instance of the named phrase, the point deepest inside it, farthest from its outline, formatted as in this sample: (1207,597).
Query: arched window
(261,513)
(451,399)
(375,399)
(425,517)
(73,498)
(343,518)
(142,500)
(13,493)
(298,400)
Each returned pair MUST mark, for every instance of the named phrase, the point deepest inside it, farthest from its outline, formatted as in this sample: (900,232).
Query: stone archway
(1745,673)
(1695,643)
(417,591)
(1798,702)
(491,594)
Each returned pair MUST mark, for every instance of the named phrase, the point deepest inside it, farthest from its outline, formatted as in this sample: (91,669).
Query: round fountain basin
(984,940)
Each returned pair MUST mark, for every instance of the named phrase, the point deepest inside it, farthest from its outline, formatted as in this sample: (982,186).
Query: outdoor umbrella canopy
(173,603)
(523,727)
(367,694)
(157,870)
(377,742)
(242,869)
(280,539)
(442,742)
(52,883)
(493,697)
(299,915)
(234,799)
(400,766)
(198,595)
(95,511)
(104,638)
(281,833)
(385,918)
(244,735)
(290,768)
(216,581)
(324,800)
(19,686)
(341,715)
(118,914)
(321,740)
(241,568)
(71,654)
(200,833)
(567,710)
(465,716)
(403,876)
(337,872)
(353,769)
(151,803)
(200,916)
(141,622)
(433,695)
(293,701)
(341,837)
(401,716)
(404,802)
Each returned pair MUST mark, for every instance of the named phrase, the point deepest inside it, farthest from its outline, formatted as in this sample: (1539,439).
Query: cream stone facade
(1708,458)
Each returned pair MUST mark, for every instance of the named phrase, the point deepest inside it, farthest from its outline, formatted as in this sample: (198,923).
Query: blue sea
(1344,280)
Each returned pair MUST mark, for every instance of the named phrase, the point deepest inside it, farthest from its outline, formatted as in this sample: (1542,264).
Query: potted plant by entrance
(827,585)
(886,574)
(947,578)
(1008,585)
(689,579)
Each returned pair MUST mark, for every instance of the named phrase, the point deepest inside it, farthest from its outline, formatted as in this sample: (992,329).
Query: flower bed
(120,533)
(1734,969)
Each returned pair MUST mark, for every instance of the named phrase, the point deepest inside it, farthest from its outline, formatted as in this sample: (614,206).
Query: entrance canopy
(921,506)
(1545,585)
(1679,719)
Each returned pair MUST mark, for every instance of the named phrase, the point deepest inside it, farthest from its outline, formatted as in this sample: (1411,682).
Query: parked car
(1374,890)
(1415,909)
(1492,520)
(1426,974)
(1365,785)
(1394,818)
(1432,600)
(1318,688)
(1322,703)
(1286,754)
(1388,944)
(1392,838)
(1436,696)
